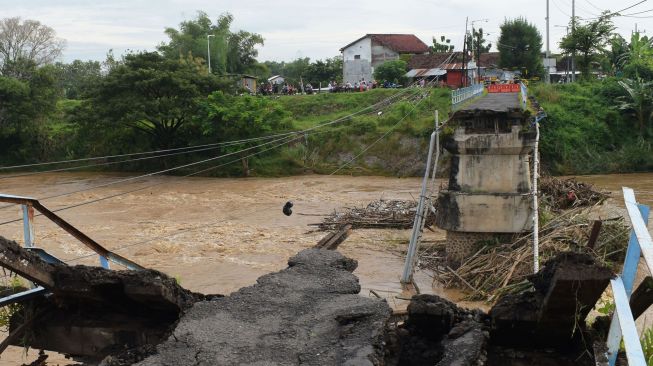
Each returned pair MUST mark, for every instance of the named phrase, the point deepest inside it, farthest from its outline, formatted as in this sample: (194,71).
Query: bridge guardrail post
(28,225)
(623,324)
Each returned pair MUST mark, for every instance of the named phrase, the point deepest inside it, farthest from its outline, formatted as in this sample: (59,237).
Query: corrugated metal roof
(416,73)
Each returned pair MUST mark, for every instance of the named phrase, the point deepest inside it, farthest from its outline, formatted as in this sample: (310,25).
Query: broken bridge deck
(495,102)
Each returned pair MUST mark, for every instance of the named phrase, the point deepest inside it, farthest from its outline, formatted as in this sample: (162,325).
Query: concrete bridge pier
(489,191)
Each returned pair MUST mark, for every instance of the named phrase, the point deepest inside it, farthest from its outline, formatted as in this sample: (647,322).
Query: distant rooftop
(400,43)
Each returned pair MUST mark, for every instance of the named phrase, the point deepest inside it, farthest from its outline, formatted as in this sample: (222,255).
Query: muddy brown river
(218,235)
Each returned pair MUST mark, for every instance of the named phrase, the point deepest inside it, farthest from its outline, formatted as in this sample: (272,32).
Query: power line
(210,159)
(204,170)
(639,12)
(150,174)
(560,9)
(632,6)
(594,6)
(204,225)
(339,120)
(108,163)
(392,128)
(304,132)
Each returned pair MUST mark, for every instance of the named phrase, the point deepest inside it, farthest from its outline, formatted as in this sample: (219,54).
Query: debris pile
(542,326)
(389,214)
(498,268)
(560,194)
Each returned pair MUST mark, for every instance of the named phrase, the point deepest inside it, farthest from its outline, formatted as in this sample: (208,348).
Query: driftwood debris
(333,239)
(560,194)
(497,268)
(389,214)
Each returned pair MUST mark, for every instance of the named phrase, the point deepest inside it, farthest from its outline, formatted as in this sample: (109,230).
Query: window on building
(357,57)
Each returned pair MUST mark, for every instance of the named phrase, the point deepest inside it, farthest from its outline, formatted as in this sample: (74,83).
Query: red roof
(400,43)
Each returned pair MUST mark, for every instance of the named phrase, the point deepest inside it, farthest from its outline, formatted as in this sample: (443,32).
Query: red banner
(503,88)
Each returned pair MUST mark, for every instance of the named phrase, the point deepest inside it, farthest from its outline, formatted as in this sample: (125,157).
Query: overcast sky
(299,28)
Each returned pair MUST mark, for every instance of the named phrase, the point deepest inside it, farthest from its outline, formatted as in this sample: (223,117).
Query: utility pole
(462,67)
(567,57)
(208,49)
(573,30)
(547,77)
(476,52)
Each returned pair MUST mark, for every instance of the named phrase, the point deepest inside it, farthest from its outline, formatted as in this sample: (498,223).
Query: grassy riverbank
(586,131)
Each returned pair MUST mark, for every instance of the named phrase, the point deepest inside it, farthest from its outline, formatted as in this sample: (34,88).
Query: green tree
(76,77)
(241,117)
(637,58)
(443,46)
(589,40)
(393,71)
(230,52)
(476,42)
(612,60)
(324,71)
(639,100)
(25,105)
(520,47)
(151,94)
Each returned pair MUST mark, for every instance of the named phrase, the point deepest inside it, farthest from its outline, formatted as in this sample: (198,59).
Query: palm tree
(639,100)
(637,55)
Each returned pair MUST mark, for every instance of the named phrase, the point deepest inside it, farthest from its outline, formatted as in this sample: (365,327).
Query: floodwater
(218,235)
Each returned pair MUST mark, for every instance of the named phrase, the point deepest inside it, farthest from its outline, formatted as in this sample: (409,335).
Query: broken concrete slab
(438,332)
(91,311)
(465,345)
(309,314)
(565,290)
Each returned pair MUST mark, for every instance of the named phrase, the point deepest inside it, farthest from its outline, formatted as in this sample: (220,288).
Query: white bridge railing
(623,324)
(524,95)
(460,95)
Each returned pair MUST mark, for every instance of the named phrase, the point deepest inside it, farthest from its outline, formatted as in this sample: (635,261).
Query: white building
(364,54)
(276,79)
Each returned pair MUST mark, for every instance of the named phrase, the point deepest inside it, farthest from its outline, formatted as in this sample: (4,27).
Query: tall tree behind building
(589,40)
(520,47)
(231,52)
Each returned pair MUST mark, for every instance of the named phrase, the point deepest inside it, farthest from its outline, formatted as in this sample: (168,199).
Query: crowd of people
(278,88)
(362,85)
(333,87)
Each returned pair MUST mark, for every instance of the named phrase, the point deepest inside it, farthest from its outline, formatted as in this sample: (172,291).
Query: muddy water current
(218,235)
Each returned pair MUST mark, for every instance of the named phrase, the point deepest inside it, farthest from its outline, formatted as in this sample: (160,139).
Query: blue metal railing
(623,324)
(460,95)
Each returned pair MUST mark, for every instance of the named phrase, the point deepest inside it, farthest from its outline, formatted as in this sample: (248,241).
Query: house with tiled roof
(361,56)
